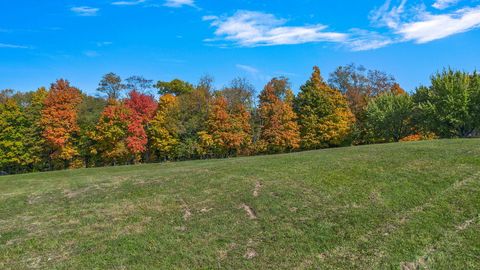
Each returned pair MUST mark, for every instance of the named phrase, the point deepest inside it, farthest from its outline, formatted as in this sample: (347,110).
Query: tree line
(62,127)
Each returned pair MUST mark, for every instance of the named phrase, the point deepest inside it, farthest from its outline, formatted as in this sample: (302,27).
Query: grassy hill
(403,205)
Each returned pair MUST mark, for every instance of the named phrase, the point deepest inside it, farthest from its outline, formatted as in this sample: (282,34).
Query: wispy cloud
(85,11)
(128,3)
(443,4)
(254,73)
(403,23)
(179,3)
(247,68)
(388,14)
(363,40)
(432,27)
(421,26)
(252,29)
(13,46)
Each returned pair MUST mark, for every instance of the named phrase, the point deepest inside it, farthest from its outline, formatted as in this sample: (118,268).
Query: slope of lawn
(403,205)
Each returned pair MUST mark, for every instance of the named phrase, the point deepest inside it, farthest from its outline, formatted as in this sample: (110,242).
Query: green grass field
(400,206)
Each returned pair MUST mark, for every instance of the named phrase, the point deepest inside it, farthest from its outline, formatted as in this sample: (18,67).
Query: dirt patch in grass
(250,254)
(466,224)
(186,210)
(249,210)
(256,190)
(205,210)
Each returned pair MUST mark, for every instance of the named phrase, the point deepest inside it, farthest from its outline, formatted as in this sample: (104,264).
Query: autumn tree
(34,140)
(120,135)
(279,131)
(359,85)
(59,119)
(239,92)
(111,85)
(30,105)
(397,89)
(228,130)
(142,108)
(14,153)
(324,116)
(5,95)
(110,134)
(163,128)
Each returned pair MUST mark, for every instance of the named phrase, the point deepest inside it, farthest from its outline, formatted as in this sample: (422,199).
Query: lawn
(401,206)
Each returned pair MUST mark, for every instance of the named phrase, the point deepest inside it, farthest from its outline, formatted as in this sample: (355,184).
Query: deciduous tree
(176,87)
(163,128)
(449,107)
(324,116)
(59,119)
(279,130)
(389,117)
(359,85)
(138,83)
(111,133)
(142,108)
(34,139)
(239,92)
(228,129)
(14,153)
(111,85)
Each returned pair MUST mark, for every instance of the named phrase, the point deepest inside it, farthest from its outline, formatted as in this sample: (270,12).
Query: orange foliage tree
(279,130)
(59,119)
(397,89)
(229,132)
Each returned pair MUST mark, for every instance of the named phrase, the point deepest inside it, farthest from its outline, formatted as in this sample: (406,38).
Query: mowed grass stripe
(415,233)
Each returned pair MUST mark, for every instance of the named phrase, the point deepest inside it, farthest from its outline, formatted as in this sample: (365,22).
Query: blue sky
(81,40)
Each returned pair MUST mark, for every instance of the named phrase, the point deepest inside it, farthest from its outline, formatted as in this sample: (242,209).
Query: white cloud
(85,11)
(432,27)
(404,23)
(388,16)
(421,26)
(252,29)
(362,40)
(210,18)
(179,3)
(443,4)
(248,69)
(128,3)
(12,46)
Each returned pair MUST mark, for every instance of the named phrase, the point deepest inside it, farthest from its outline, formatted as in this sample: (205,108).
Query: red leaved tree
(142,108)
